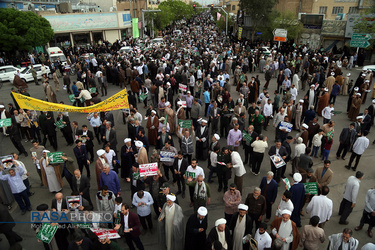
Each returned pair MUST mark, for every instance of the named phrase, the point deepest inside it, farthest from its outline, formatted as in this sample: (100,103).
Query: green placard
(136,176)
(246,136)
(311,188)
(135,27)
(71,98)
(84,225)
(92,90)
(59,124)
(287,183)
(142,97)
(185,123)
(55,157)
(46,233)
(188,174)
(7,122)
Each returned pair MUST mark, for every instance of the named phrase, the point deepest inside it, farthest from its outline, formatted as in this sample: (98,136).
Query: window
(323,10)
(337,10)
(233,7)
(353,10)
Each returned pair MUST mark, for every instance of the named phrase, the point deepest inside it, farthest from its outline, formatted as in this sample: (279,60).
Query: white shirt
(298,150)
(294,93)
(198,171)
(239,169)
(284,205)
(327,112)
(109,157)
(267,109)
(320,206)
(58,205)
(147,201)
(126,222)
(263,240)
(351,189)
(361,145)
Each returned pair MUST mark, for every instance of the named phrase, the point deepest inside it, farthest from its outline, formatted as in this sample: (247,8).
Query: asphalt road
(216,209)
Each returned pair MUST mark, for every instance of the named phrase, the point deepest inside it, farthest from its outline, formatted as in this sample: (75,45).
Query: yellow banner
(115,102)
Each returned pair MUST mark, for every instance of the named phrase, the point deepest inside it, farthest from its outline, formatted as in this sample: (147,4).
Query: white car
(157,41)
(125,49)
(26,75)
(7,71)
(369,67)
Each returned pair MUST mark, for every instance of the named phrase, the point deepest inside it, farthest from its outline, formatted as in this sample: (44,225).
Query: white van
(56,52)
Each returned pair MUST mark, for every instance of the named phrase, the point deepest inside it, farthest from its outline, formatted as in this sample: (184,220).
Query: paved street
(216,209)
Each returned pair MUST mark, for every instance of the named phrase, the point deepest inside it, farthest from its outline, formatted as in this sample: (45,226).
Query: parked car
(7,71)
(125,49)
(369,67)
(26,75)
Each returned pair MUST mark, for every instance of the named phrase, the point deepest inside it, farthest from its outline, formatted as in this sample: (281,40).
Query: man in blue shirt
(18,188)
(207,99)
(109,178)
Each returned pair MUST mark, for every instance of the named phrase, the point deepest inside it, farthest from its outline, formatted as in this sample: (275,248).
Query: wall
(112,35)
(334,3)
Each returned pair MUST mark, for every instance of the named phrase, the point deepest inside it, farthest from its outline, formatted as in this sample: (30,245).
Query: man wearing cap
(240,225)
(285,229)
(162,196)
(321,206)
(152,126)
(219,233)
(196,228)
(298,198)
(347,138)
(350,196)
(359,147)
(171,225)
(201,136)
(141,156)
(355,107)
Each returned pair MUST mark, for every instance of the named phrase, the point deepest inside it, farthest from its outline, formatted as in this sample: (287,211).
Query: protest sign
(183,104)
(182,87)
(59,124)
(287,183)
(73,202)
(142,97)
(277,161)
(311,188)
(7,122)
(286,126)
(92,90)
(246,136)
(189,174)
(167,156)
(46,233)
(55,157)
(185,123)
(103,233)
(148,169)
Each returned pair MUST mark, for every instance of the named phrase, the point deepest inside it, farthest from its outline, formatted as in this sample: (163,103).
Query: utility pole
(226,16)
(143,20)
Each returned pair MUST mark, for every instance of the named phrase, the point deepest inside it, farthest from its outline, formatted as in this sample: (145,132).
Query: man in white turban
(285,229)
(220,233)
(141,157)
(196,228)
(240,225)
(171,225)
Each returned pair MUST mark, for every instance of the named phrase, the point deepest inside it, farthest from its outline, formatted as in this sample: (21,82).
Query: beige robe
(142,157)
(329,84)
(170,119)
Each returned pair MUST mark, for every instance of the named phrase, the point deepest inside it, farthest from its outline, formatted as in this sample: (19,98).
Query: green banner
(188,174)
(7,122)
(246,136)
(311,188)
(55,157)
(135,27)
(142,97)
(185,123)
(92,90)
(46,233)
(59,124)
(136,176)
(71,98)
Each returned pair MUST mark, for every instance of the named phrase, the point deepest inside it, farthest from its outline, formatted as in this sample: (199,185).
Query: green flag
(246,136)
(185,123)
(46,233)
(311,188)
(92,90)
(59,124)
(142,97)
(55,157)
(7,122)
(135,27)
(71,98)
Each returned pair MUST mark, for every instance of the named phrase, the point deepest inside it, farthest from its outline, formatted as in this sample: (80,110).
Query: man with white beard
(286,230)
(311,95)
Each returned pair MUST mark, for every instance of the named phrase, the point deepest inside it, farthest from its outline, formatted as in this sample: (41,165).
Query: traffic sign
(360,40)
(280,32)
(360,44)
(279,39)
(361,37)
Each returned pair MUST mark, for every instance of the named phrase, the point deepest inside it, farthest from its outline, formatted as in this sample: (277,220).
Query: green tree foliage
(260,12)
(366,23)
(22,30)
(285,20)
(221,24)
(172,10)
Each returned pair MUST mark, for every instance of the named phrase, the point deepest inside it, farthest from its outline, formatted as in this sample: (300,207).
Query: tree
(366,22)
(259,11)
(221,23)
(23,30)
(285,20)
(172,10)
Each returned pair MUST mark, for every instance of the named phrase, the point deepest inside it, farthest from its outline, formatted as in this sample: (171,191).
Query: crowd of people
(187,86)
